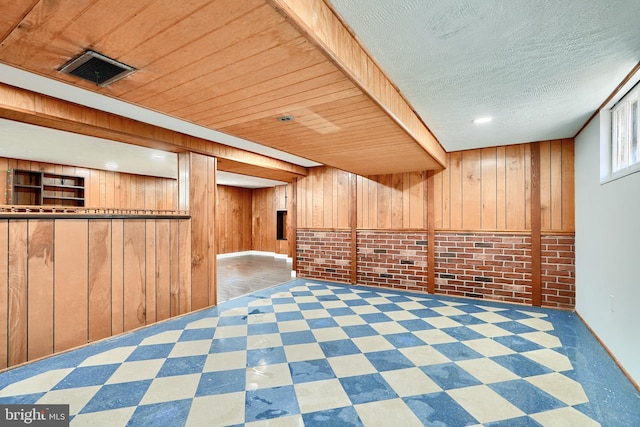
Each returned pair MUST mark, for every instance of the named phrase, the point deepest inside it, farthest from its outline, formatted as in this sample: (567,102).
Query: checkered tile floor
(316,353)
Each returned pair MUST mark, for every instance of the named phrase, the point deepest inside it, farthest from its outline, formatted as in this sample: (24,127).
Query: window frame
(612,166)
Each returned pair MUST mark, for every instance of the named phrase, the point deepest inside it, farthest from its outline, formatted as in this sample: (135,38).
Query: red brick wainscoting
(490,265)
(558,271)
(324,254)
(393,259)
(485,265)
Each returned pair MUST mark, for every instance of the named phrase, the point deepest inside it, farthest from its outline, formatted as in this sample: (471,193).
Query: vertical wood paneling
(70,281)
(4,291)
(100,265)
(163,269)
(471,190)
(489,188)
(568,185)
(199,180)
(134,273)
(184,266)
(342,199)
(212,186)
(456,193)
(150,271)
(104,189)
(397,205)
(40,289)
(329,193)
(514,187)
(556,185)
(484,189)
(117,276)
(17,295)
(174,254)
(501,188)
(545,184)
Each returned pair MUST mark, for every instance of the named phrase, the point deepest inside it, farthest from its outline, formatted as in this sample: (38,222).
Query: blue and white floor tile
(322,354)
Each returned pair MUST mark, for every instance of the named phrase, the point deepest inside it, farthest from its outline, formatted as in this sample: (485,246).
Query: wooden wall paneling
(40,288)
(397,200)
(307,192)
(406,200)
(134,274)
(384,201)
(71,284)
(437,195)
(361,207)
(150,271)
(501,185)
(211,230)
(455,190)
(317,194)
(545,184)
(198,181)
(183,180)
(175,251)
(556,185)
(342,202)
(103,189)
(163,270)
(371,186)
(514,180)
(527,185)
(568,185)
(17,294)
(100,266)
(489,188)
(124,188)
(117,276)
(430,198)
(92,192)
(471,170)
(536,224)
(329,195)
(353,224)
(140,192)
(184,265)
(161,198)
(148,191)
(5,192)
(293,226)
(4,291)
(110,199)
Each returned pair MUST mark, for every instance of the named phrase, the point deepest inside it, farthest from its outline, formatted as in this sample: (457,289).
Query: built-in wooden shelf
(36,188)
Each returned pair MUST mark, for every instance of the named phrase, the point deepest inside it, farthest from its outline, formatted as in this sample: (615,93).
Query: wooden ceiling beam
(42,110)
(320,25)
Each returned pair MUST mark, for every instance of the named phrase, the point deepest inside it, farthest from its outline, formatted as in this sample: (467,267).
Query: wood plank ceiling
(233,66)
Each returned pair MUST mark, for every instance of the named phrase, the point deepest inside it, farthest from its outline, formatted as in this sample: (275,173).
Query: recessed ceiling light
(111,166)
(481,120)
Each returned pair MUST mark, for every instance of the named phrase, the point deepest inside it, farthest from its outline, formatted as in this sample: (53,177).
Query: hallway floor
(323,354)
(240,275)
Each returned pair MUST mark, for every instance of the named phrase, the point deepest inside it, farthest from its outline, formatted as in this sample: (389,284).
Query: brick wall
(558,271)
(494,266)
(394,259)
(324,255)
(486,265)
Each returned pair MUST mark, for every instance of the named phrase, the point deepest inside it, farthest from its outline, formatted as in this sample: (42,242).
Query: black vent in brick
(96,68)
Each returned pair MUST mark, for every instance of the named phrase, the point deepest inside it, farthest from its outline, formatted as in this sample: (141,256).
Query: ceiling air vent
(96,68)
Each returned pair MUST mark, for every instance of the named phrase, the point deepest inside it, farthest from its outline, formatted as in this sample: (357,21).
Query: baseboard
(255,253)
(615,359)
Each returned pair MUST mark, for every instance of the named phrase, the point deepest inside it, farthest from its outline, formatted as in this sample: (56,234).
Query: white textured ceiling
(539,68)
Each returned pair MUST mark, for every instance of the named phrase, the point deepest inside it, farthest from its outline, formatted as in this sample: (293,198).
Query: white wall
(608,252)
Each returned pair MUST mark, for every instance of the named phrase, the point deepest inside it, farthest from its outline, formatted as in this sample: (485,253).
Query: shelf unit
(44,188)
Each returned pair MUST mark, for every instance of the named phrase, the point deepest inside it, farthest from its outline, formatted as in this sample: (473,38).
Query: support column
(197,194)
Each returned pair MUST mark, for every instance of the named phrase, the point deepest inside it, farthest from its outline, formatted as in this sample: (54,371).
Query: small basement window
(619,133)
(281,225)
